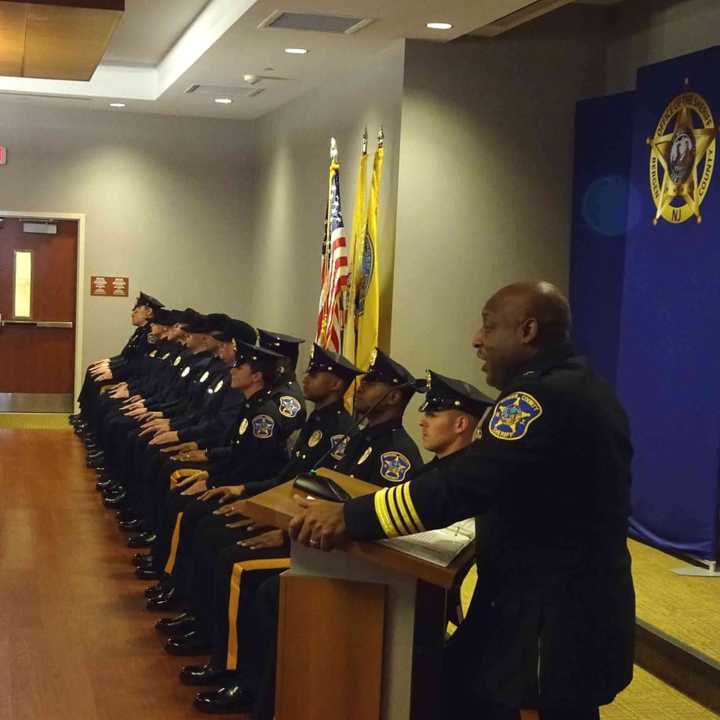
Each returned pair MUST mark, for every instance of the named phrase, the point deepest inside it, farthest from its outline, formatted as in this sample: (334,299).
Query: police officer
(551,624)
(382,453)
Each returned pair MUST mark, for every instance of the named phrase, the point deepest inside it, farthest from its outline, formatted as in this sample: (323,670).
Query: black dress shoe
(134,525)
(168,600)
(143,540)
(158,589)
(231,699)
(118,500)
(182,623)
(147,573)
(191,643)
(115,488)
(104,484)
(205,675)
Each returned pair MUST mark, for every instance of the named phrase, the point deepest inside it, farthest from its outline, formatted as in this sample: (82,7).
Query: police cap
(446,393)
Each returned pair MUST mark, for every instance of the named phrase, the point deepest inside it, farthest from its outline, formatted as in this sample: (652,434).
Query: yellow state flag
(367,294)
(356,250)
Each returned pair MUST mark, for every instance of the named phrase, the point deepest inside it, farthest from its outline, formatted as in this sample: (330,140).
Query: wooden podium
(361,628)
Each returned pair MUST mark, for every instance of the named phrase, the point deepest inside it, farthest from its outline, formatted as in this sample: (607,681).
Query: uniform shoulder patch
(338,443)
(289,406)
(394,466)
(513,416)
(263,426)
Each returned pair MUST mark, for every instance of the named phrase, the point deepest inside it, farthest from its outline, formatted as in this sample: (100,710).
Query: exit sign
(3,155)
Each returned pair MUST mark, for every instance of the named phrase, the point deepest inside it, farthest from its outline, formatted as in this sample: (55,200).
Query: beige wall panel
(485,185)
(168,203)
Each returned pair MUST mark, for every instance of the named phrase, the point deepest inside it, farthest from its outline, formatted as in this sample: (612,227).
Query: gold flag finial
(381,137)
(364,141)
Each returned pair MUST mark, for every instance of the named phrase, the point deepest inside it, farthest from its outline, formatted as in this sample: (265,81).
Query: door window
(22,297)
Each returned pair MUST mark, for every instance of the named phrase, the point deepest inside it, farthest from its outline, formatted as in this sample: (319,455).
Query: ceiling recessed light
(439,26)
(117,105)
(296,51)
(223,101)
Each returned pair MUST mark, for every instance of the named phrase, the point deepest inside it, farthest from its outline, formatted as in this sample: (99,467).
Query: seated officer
(551,625)
(450,415)
(257,451)
(116,368)
(325,383)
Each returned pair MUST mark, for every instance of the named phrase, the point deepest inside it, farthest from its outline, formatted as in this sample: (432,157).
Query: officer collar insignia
(513,416)
(394,466)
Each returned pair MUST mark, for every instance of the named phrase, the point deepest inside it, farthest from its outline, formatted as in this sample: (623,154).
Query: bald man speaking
(551,622)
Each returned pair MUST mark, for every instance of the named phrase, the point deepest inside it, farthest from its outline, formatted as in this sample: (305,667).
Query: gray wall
(291,189)
(643,32)
(167,199)
(486,166)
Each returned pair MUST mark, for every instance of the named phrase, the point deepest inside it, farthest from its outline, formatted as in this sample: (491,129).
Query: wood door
(37,308)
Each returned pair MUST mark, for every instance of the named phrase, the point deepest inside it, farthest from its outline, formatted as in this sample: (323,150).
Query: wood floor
(75,640)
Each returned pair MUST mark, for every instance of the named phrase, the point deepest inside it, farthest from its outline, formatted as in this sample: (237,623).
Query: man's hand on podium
(318,524)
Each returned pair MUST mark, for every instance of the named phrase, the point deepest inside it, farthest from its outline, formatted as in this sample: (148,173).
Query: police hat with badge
(206,324)
(236,331)
(259,358)
(322,360)
(446,393)
(286,345)
(386,370)
(164,317)
(145,300)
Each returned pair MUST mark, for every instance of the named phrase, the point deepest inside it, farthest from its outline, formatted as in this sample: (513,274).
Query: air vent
(250,90)
(531,11)
(315,23)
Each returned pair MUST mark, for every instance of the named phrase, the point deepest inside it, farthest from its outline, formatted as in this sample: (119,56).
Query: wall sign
(109,286)
(3,155)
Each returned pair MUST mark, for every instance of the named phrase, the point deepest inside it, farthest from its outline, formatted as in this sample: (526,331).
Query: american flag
(334,273)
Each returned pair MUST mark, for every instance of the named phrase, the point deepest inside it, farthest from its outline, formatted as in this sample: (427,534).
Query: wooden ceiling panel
(12,38)
(59,40)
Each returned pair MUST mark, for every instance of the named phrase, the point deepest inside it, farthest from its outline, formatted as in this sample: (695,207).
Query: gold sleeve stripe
(400,502)
(395,513)
(382,515)
(411,507)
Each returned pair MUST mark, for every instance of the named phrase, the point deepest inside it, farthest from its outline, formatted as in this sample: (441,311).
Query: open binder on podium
(362,628)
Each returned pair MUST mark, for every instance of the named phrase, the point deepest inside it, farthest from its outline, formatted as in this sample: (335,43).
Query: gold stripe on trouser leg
(234,602)
(172,557)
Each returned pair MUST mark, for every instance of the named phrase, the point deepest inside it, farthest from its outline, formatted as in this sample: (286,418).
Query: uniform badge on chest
(338,443)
